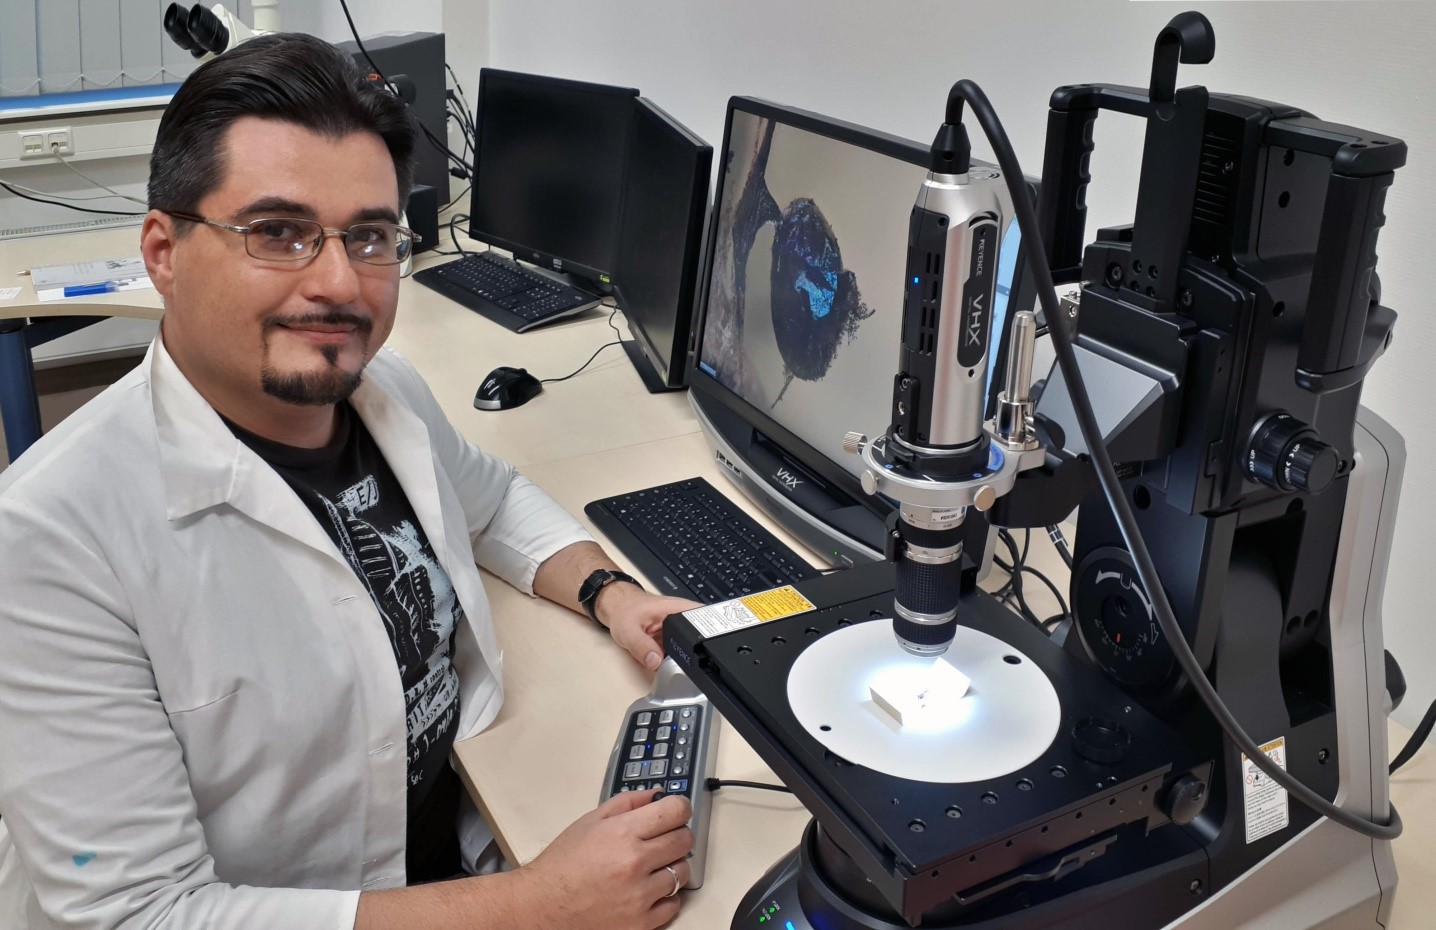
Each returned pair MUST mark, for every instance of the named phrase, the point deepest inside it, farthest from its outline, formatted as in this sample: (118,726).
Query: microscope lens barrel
(927,584)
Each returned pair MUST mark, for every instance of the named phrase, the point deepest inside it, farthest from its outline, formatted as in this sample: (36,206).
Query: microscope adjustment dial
(1286,454)
(1117,621)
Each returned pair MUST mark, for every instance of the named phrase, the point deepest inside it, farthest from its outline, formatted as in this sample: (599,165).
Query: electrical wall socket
(94,136)
(46,142)
(58,141)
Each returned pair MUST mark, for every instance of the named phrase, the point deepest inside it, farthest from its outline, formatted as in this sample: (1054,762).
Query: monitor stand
(645,369)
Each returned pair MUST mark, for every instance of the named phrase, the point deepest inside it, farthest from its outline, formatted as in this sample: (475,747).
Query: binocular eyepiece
(196,30)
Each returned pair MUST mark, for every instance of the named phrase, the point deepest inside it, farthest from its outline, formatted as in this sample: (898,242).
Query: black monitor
(802,314)
(549,171)
(665,203)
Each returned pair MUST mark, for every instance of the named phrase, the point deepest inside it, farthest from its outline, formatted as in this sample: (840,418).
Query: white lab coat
(201,717)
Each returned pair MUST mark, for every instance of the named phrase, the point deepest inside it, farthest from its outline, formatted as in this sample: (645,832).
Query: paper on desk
(58,293)
(9,293)
(96,272)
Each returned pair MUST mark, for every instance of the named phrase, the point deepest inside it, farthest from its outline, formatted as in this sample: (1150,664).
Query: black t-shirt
(352,492)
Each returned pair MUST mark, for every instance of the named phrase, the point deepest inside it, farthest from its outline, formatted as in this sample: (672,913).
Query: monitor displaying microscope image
(805,288)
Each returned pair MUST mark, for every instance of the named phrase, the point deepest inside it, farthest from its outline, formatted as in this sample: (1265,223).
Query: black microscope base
(918,845)
(802,892)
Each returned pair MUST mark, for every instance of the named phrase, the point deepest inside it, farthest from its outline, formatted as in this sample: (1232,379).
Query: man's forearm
(461,904)
(563,573)
(633,615)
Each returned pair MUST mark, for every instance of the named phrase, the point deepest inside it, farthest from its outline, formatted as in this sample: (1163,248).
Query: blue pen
(89,290)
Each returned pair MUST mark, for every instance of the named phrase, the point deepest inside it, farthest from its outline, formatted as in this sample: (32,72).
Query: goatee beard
(322,388)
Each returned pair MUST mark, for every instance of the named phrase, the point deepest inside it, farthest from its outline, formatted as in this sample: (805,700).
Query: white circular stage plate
(1007,719)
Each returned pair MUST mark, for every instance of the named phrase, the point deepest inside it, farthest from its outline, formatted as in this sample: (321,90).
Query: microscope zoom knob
(1286,454)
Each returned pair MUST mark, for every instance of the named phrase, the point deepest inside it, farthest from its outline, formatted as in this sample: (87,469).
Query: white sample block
(910,698)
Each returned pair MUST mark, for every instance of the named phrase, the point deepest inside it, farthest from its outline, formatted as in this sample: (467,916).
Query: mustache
(335,317)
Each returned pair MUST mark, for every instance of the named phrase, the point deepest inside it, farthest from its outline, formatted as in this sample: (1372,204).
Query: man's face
(248,332)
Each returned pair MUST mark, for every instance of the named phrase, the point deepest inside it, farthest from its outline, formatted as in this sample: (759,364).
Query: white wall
(888,65)
(325,18)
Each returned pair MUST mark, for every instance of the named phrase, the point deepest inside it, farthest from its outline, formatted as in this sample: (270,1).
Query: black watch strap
(596,582)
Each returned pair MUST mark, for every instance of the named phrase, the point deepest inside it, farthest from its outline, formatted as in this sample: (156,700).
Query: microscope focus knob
(1312,465)
(1286,454)
(1185,800)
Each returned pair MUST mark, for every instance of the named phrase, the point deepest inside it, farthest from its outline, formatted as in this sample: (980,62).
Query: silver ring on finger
(676,883)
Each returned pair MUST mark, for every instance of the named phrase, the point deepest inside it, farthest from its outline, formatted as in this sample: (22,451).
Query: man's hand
(610,869)
(635,619)
(632,615)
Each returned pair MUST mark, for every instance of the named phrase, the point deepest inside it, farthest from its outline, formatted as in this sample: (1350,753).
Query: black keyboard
(504,291)
(693,542)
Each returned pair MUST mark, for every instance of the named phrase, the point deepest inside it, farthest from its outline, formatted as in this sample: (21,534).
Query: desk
(546,646)
(593,436)
(18,334)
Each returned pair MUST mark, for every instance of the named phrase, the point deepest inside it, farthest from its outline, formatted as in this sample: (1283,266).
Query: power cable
(85,177)
(606,345)
(67,206)
(440,145)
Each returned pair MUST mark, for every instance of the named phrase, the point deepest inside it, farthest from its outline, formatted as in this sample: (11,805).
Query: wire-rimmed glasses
(293,239)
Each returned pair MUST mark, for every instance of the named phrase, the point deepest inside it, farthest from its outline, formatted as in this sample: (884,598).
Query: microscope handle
(1175,120)
(1062,207)
(1337,344)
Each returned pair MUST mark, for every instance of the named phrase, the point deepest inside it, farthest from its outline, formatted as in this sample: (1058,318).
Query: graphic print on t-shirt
(417,602)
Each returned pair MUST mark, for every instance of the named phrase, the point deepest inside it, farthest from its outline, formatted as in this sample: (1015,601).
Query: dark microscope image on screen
(804,309)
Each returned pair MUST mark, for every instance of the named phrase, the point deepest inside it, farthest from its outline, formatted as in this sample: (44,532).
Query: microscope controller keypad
(659,751)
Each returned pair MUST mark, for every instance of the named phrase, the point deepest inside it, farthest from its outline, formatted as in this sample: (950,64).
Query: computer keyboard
(504,291)
(691,541)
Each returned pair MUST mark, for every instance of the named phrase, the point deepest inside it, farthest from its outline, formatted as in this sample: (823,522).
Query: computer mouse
(505,387)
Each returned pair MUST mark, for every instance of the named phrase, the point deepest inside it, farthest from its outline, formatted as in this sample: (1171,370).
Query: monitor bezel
(526,252)
(703,386)
(671,363)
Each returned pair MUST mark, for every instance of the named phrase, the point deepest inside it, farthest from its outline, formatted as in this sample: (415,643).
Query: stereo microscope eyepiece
(176,20)
(210,35)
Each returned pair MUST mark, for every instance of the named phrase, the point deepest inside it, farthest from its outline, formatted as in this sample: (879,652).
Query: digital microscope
(1204,744)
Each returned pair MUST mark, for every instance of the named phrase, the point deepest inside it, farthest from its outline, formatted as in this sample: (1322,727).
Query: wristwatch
(594,583)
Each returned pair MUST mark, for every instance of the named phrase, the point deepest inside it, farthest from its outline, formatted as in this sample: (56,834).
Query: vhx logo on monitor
(787,479)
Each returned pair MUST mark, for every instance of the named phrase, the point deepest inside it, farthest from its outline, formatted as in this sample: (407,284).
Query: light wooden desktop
(20,255)
(540,765)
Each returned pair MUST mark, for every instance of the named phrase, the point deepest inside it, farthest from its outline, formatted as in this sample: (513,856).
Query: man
(241,619)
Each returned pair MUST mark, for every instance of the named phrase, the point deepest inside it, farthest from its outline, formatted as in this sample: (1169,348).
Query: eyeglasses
(289,239)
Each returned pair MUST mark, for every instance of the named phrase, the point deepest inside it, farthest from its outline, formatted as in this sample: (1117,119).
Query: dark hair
(284,76)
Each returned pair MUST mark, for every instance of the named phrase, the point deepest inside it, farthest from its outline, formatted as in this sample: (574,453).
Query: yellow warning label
(777,603)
